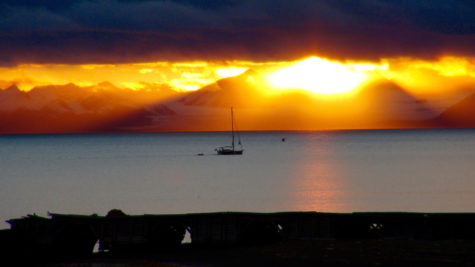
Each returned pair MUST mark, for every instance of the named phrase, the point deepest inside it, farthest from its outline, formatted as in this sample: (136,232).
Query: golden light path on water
(318,185)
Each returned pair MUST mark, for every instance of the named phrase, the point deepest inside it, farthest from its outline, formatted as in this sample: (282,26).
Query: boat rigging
(232,149)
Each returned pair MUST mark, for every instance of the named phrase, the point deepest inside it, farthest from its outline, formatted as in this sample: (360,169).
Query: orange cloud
(431,76)
(315,74)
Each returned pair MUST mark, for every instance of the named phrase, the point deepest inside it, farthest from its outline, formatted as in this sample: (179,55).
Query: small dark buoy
(283,139)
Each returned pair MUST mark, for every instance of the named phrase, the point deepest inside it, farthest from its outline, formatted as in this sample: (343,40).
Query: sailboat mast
(232,125)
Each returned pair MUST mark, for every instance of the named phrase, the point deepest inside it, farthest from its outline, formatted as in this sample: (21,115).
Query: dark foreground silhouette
(237,238)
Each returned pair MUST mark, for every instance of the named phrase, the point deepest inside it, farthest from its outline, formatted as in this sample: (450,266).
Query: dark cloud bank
(113,31)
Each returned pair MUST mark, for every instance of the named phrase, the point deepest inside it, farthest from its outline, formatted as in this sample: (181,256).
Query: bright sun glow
(318,76)
(314,74)
(230,71)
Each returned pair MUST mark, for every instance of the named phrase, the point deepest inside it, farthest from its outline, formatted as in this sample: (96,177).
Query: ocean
(157,173)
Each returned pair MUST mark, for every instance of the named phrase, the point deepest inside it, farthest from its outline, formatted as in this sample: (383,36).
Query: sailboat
(232,149)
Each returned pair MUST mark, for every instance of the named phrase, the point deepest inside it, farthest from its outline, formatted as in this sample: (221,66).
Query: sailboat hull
(229,151)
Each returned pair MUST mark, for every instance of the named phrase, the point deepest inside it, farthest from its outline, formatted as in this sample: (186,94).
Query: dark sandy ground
(381,252)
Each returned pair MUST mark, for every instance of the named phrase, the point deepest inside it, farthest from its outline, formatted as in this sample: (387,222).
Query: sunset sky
(192,43)
(323,47)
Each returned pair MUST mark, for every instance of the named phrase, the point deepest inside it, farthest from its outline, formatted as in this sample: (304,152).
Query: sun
(319,76)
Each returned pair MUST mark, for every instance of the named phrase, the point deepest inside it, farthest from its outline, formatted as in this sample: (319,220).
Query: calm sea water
(417,170)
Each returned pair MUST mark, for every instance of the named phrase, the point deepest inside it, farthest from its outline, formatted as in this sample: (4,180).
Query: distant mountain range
(378,105)
(461,114)
(70,108)
(106,108)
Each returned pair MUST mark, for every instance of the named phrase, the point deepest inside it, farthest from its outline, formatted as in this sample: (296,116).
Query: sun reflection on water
(318,184)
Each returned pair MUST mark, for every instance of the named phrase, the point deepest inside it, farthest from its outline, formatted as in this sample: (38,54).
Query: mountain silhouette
(461,114)
(378,105)
(386,103)
(72,108)
(233,91)
(107,108)
(12,97)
